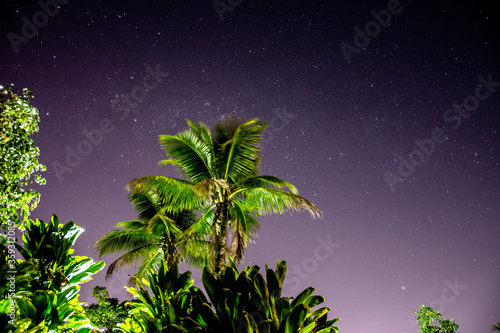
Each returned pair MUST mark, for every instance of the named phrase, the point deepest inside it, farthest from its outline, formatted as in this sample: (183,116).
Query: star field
(411,213)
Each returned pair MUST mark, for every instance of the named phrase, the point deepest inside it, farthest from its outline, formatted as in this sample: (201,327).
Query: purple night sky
(394,136)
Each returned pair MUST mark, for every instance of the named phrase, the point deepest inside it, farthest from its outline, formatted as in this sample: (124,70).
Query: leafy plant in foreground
(236,303)
(166,306)
(47,281)
(245,302)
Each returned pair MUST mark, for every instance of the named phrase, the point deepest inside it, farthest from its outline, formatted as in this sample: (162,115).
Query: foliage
(47,281)
(20,282)
(239,302)
(107,312)
(155,236)
(496,327)
(168,306)
(245,302)
(430,321)
(51,245)
(18,157)
(222,183)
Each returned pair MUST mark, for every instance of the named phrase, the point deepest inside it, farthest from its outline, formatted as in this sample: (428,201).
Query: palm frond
(164,225)
(204,133)
(145,204)
(196,253)
(201,228)
(131,225)
(152,261)
(224,130)
(131,257)
(264,201)
(243,228)
(117,241)
(176,194)
(240,213)
(184,219)
(190,153)
(267,181)
(238,243)
(239,154)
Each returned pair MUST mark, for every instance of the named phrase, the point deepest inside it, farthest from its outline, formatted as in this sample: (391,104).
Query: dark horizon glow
(365,106)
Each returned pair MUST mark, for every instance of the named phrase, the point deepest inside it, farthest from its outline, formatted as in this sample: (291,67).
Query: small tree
(18,157)
(39,293)
(107,312)
(430,321)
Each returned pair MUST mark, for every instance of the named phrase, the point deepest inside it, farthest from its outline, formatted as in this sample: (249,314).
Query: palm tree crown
(156,235)
(222,183)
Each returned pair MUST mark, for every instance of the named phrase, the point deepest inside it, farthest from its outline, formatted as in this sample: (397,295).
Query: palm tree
(496,327)
(156,235)
(221,169)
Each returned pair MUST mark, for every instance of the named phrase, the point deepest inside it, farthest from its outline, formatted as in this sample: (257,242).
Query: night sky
(388,124)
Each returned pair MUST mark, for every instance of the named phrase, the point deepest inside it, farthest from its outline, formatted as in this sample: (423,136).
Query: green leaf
(295,319)
(302,297)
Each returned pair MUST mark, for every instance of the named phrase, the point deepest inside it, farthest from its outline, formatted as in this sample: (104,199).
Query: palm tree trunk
(170,252)
(221,238)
